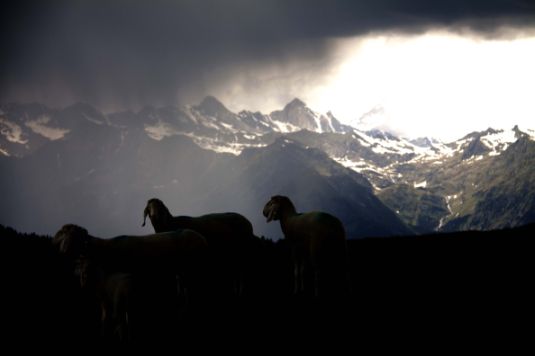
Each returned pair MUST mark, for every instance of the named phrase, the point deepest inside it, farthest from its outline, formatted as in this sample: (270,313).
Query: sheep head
(275,207)
(71,240)
(157,213)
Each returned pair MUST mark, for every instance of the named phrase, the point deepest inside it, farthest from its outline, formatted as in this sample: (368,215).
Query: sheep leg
(299,277)
(182,290)
(316,283)
(299,270)
(240,282)
(296,278)
(106,322)
(120,318)
(237,284)
(302,274)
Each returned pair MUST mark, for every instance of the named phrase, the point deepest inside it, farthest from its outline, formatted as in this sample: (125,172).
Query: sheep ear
(56,242)
(145,213)
(59,241)
(61,244)
(270,214)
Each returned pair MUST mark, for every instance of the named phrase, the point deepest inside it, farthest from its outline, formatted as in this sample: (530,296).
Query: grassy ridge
(480,278)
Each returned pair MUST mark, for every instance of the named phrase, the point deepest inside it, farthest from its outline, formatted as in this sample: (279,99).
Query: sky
(415,67)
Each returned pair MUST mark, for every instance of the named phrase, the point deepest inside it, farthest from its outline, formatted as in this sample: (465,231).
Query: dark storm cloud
(130,53)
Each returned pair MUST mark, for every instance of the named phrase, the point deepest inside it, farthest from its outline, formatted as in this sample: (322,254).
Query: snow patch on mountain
(499,140)
(422,184)
(367,168)
(190,113)
(12,132)
(207,121)
(40,127)
(357,166)
(450,212)
(475,158)
(317,119)
(210,122)
(362,141)
(382,142)
(209,143)
(283,127)
(229,128)
(329,121)
(94,120)
(160,130)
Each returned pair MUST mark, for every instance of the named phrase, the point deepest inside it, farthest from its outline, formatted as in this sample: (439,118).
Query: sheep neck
(162,222)
(286,215)
(97,247)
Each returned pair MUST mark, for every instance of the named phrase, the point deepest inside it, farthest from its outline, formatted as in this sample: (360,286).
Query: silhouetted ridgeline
(468,280)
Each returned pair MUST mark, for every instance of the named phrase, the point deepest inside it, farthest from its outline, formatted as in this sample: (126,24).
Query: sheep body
(173,250)
(113,292)
(218,228)
(318,241)
(143,269)
(229,236)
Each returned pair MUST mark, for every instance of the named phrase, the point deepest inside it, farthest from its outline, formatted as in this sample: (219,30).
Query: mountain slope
(505,193)
(205,156)
(418,207)
(100,176)
(314,182)
(101,180)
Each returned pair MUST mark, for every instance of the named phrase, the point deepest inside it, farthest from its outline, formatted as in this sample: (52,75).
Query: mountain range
(80,165)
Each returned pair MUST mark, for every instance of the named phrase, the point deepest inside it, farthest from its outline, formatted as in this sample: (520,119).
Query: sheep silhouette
(114,293)
(178,250)
(318,241)
(112,268)
(229,236)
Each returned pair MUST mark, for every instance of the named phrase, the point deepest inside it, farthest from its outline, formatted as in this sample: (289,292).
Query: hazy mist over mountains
(411,122)
(78,165)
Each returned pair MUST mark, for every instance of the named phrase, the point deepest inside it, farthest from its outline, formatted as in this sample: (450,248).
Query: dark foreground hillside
(442,284)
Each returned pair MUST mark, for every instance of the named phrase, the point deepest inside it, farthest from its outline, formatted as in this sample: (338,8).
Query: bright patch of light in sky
(436,84)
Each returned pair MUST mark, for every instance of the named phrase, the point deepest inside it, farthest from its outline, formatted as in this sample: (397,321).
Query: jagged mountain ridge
(101,176)
(214,127)
(431,169)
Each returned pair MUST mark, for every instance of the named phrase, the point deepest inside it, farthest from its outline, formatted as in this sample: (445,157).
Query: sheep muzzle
(145,213)
(270,211)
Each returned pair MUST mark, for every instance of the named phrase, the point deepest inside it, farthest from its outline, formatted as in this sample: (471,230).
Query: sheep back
(163,251)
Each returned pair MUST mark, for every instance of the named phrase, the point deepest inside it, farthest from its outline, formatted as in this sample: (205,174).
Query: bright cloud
(437,84)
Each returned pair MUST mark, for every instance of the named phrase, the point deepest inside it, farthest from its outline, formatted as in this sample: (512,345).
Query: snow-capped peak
(211,106)
(295,103)
(296,116)
(425,142)
(491,141)
(382,135)
(498,140)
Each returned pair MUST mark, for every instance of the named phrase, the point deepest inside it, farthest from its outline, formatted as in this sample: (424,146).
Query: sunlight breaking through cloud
(437,84)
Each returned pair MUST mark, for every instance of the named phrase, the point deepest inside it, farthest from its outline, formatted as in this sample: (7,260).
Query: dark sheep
(229,236)
(319,251)
(170,256)
(114,293)
(178,250)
